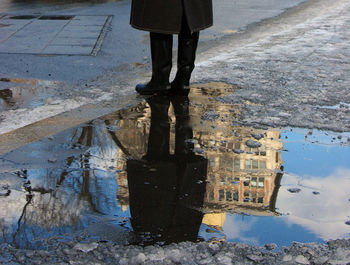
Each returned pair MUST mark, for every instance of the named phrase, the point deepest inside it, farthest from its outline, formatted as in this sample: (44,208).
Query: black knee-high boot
(187,47)
(161,54)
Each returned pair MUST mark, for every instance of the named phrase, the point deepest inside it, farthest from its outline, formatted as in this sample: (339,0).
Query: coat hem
(167,31)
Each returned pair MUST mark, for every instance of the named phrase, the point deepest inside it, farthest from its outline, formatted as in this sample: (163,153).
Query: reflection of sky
(324,168)
(307,217)
(304,158)
(262,230)
(324,214)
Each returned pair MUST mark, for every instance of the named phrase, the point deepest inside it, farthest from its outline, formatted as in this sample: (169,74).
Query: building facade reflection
(240,178)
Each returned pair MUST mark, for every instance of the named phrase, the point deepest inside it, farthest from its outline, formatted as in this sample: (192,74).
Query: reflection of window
(253,182)
(222,180)
(261,182)
(246,182)
(260,200)
(213,179)
(237,145)
(211,195)
(254,164)
(246,194)
(235,196)
(221,195)
(237,164)
(212,162)
(226,164)
(228,196)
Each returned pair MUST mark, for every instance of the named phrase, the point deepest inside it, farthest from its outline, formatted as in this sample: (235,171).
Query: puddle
(25,93)
(186,172)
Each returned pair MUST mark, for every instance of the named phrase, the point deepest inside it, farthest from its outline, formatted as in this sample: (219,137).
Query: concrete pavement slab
(56,35)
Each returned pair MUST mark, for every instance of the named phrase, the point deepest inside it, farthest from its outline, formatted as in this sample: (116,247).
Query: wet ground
(82,167)
(174,169)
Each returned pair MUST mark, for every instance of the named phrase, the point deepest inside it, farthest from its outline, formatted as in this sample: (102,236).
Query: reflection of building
(242,181)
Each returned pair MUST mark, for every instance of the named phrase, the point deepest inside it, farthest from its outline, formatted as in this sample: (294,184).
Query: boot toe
(149,89)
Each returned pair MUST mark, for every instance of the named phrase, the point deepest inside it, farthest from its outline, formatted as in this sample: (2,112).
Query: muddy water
(175,169)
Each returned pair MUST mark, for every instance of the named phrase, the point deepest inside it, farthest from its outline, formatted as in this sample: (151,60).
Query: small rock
(253,144)
(210,116)
(302,260)
(347,222)
(320,260)
(315,192)
(270,246)
(86,247)
(238,151)
(257,136)
(5,193)
(255,258)
(198,150)
(52,160)
(197,146)
(294,190)
(287,258)
(139,259)
(191,141)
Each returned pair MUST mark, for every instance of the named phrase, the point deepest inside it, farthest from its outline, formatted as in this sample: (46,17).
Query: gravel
(334,252)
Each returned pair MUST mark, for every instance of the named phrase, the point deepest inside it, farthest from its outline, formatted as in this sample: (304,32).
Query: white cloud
(324,214)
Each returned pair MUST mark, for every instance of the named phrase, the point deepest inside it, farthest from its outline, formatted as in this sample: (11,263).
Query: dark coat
(165,16)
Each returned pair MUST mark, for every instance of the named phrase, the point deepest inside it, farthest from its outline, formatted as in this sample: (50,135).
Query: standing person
(163,18)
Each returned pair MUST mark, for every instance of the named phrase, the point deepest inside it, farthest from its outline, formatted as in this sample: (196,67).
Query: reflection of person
(162,18)
(165,189)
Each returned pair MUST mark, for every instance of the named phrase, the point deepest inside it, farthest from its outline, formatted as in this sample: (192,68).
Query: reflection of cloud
(324,214)
(235,227)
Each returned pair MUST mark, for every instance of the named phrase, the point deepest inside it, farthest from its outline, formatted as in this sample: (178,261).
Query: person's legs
(187,46)
(161,55)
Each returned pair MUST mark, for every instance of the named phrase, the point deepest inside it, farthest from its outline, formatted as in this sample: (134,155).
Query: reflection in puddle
(25,93)
(175,169)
